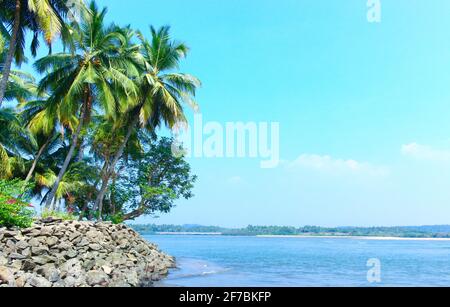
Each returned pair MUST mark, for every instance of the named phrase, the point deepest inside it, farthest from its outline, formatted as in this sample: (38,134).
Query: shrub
(65,216)
(15,210)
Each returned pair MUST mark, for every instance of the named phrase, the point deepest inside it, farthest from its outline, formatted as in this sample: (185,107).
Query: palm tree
(40,118)
(8,124)
(21,86)
(94,74)
(162,93)
(40,16)
(12,133)
(72,182)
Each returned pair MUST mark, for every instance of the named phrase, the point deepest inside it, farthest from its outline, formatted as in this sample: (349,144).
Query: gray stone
(94,235)
(76,240)
(59,284)
(10,233)
(95,278)
(39,282)
(50,220)
(117,259)
(16,264)
(99,262)
(84,242)
(71,253)
(16,256)
(10,244)
(80,254)
(132,278)
(28,265)
(34,242)
(71,268)
(40,250)
(6,274)
(95,247)
(22,245)
(26,252)
(69,281)
(74,235)
(46,231)
(22,280)
(107,269)
(64,246)
(53,276)
(89,265)
(51,241)
(3,260)
(44,259)
(119,283)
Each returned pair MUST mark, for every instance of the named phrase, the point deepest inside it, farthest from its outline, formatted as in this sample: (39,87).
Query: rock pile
(54,253)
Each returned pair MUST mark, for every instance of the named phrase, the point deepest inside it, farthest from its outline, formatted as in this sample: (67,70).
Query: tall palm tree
(21,85)
(95,73)
(13,135)
(42,121)
(163,90)
(40,16)
(8,124)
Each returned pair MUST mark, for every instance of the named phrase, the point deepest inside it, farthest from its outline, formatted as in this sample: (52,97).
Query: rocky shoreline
(56,253)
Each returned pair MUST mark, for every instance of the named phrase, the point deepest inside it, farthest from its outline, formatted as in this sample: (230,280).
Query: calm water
(250,261)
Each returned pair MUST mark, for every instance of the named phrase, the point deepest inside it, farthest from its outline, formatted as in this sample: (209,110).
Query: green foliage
(84,129)
(15,210)
(2,44)
(65,216)
(152,183)
(116,218)
(40,17)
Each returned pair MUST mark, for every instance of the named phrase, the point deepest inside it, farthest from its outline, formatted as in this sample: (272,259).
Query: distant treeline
(442,231)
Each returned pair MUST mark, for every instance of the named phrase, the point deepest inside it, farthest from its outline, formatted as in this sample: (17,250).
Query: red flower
(11,202)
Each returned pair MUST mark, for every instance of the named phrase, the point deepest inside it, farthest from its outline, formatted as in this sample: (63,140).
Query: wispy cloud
(327,163)
(427,153)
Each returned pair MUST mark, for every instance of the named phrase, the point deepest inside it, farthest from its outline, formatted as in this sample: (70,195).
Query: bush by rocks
(55,253)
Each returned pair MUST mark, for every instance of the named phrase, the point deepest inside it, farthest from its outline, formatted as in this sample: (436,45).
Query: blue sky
(363,108)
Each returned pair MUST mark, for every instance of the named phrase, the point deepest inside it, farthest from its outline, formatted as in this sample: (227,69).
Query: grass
(59,215)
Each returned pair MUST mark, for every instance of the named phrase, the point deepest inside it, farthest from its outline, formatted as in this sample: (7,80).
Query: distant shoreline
(355,237)
(189,233)
(428,233)
(370,238)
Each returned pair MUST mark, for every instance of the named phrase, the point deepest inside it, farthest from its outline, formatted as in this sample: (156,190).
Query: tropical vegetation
(81,134)
(15,209)
(437,231)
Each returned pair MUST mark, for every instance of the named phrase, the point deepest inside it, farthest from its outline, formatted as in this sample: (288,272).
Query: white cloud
(327,163)
(424,152)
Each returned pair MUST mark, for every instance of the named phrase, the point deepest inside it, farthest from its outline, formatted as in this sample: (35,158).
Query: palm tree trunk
(94,208)
(36,160)
(63,170)
(110,170)
(12,50)
(86,204)
(80,151)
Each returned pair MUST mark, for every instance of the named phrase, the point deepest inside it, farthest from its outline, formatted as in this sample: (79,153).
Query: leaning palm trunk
(110,171)
(12,50)
(36,160)
(69,157)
